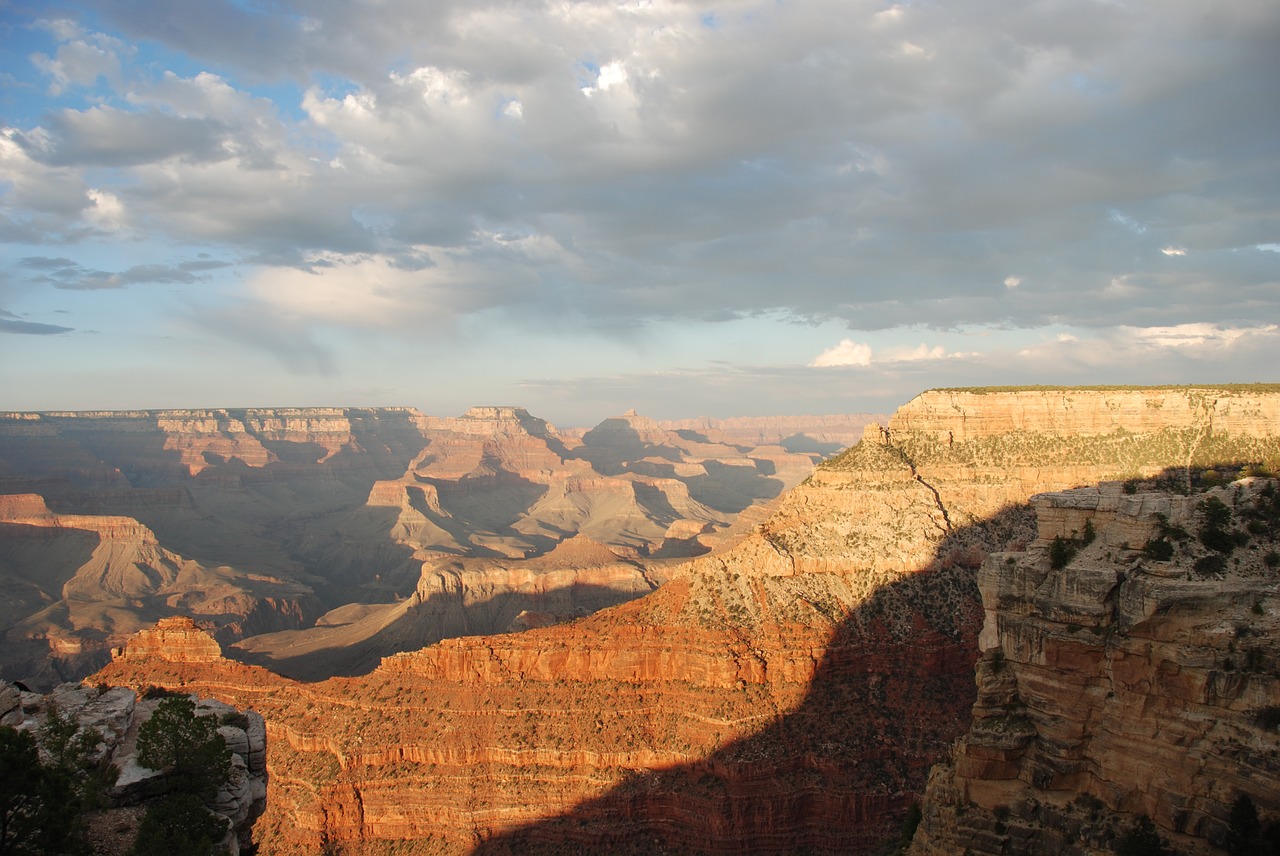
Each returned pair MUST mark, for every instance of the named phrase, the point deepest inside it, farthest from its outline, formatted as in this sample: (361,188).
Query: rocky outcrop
(117,713)
(1120,679)
(177,639)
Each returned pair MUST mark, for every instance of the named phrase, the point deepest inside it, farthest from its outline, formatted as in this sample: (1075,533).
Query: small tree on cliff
(179,823)
(1141,839)
(39,811)
(1244,832)
(188,747)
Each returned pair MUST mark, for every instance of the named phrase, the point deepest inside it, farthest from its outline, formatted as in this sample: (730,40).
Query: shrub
(1141,839)
(73,753)
(187,746)
(1244,831)
(1159,550)
(179,823)
(1214,534)
(235,719)
(1061,552)
(1214,563)
(39,811)
(1267,717)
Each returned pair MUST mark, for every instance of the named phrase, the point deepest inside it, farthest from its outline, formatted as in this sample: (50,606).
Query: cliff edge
(1129,668)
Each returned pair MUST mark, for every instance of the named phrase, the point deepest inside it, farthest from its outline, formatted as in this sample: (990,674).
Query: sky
(749,207)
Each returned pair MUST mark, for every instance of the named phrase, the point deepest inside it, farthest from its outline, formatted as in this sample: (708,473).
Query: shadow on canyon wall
(353,650)
(837,773)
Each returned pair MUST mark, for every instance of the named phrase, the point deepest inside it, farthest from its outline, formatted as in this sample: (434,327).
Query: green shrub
(1140,839)
(1214,563)
(39,809)
(235,719)
(1244,830)
(1061,552)
(1159,550)
(1267,717)
(179,823)
(186,746)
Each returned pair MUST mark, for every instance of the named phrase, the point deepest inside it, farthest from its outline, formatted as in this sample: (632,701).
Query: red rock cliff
(790,692)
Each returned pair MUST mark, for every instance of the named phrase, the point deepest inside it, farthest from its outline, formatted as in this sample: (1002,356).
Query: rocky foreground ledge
(117,713)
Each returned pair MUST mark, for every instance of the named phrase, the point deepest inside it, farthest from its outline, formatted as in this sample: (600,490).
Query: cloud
(66,274)
(10,323)
(81,59)
(620,167)
(1197,337)
(847,353)
(851,353)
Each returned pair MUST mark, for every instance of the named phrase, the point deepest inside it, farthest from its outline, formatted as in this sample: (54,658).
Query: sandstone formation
(82,583)
(1133,680)
(790,691)
(117,713)
(259,521)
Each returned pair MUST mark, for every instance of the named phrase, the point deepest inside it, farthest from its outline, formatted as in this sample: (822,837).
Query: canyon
(295,533)
(793,686)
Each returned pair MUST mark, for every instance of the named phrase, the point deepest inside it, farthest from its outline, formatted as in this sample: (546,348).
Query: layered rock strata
(788,692)
(260,521)
(1131,680)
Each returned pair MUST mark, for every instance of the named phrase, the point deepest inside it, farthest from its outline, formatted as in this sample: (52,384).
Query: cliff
(1132,678)
(789,691)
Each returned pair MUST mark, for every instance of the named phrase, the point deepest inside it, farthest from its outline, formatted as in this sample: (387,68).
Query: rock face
(1126,682)
(257,522)
(117,713)
(789,691)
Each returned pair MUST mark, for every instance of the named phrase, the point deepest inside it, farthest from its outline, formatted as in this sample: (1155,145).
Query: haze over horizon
(686,208)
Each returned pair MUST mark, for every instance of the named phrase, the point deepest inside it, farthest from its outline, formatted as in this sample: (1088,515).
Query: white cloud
(907,354)
(1196,336)
(106,212)
(851,353)
(1174,251)
(81,59)
(1012,282)
(847,353)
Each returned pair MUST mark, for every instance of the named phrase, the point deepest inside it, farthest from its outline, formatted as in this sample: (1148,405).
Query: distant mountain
(261,521)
